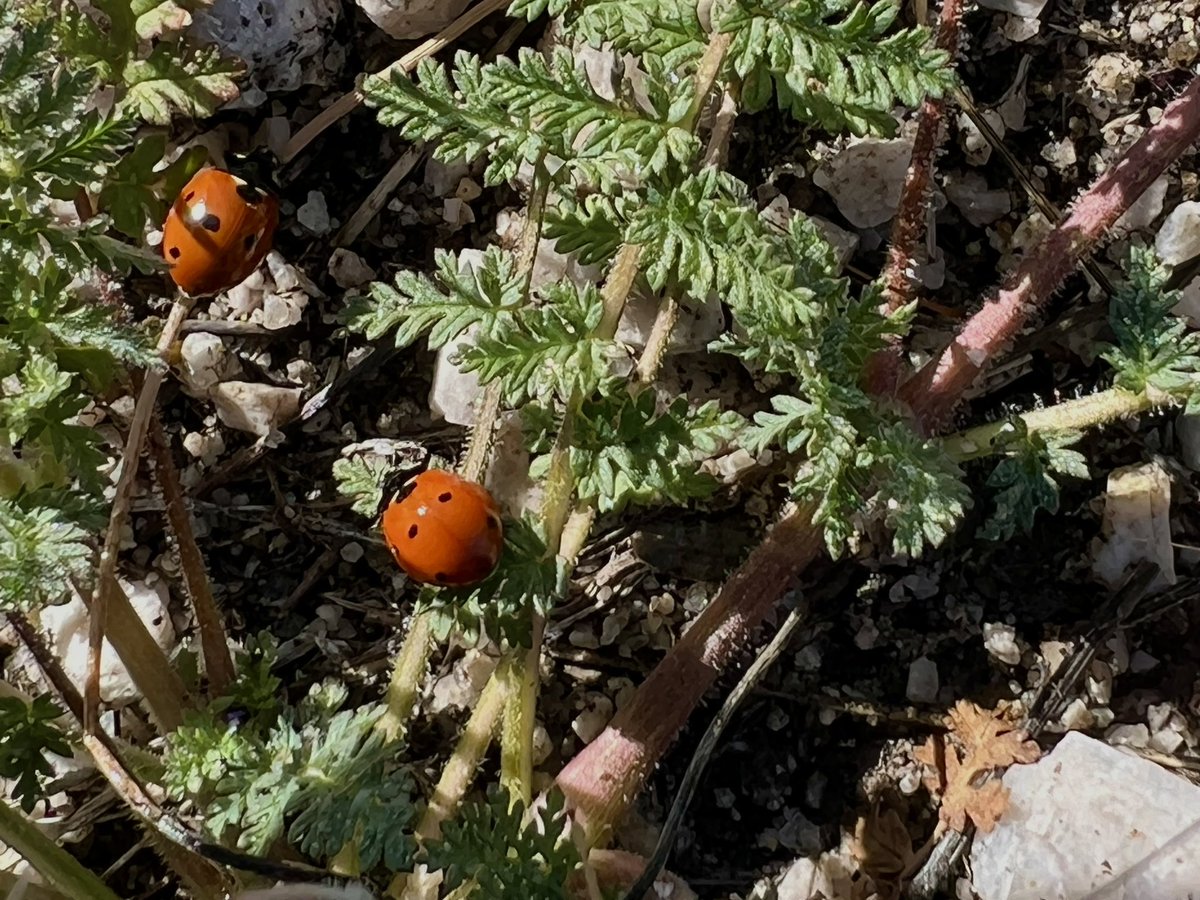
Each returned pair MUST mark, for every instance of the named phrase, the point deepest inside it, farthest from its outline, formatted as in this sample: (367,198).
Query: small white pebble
(1000,642)
(352,552)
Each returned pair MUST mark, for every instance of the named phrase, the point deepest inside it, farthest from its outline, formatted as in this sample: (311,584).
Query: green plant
(29,733)
(71,172)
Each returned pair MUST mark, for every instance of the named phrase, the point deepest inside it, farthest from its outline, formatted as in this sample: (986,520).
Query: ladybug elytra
(443,529)
(218,231)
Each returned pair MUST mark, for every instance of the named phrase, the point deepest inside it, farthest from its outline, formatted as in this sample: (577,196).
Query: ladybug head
(407,463)
(259,167)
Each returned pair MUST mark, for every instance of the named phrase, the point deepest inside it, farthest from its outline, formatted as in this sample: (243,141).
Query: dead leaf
(883,848)
(989,743)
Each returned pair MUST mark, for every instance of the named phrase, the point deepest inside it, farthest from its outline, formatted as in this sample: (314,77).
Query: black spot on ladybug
(493,523)
(412,531)
(249,241)
(249,193)
(445,497)
(174,251)
(188,197)
(440,577)
(211,223)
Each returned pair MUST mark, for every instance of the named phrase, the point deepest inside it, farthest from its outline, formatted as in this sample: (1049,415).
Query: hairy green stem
(660,337)
(616,289)
(55,864)
(411,664)
(1091,411)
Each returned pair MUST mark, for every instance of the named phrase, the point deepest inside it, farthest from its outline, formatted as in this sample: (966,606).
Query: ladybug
(218,231)
(443,529)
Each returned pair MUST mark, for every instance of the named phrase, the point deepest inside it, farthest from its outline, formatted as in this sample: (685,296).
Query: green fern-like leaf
(1025,480)
(29,734)
(500,607)
(460,296)
(169,83)
(666,30)
(547,349)
(831,61)
(624,451)
(39,553)
(1154,349)
(921,491)
(517,112)
(508,858)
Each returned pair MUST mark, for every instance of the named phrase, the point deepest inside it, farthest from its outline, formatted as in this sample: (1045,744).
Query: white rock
(1137,524)
(1141,661)
(283,310)
(1189,303)
(454,392)
(1144,210)
(866,178)
(443,178)
(922,681)
(256,408)
(203,361)
(1027,9)
(1178,239)
(507,477)
(1089,817)
(1019,29)
(698,324)
(826,877)
(1000,641)
(284,43)
(462,686)
(314,214)
(348,269)
(1077,717)
(457,213)
(589,723)
(1128,735)
(68,631)
(975,146)
(407,19)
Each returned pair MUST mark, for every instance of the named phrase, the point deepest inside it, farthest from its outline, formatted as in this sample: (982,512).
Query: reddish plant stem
(883,371)
(937,389)
(604,778)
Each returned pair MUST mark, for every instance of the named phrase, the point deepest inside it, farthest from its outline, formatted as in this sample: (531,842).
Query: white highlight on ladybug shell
(197,212)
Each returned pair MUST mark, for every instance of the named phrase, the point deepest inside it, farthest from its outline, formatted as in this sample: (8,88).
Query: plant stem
(607,774)
(937,389)
(411,664)
(883,371)
(214,645)
(659,338)
(516,732)
(112,616)
(55,864)
(616,289)
(1091,411)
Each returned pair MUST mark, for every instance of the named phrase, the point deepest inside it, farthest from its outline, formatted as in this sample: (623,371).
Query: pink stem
(883,371)
(604,777)
(937,389)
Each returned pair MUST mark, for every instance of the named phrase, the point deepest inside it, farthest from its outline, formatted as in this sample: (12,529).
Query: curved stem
(55,864)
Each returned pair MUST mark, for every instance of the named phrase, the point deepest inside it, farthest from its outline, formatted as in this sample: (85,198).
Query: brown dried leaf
(989,743)
(883,848)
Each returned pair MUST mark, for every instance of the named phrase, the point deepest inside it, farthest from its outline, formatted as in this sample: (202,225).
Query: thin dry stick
(218,663)
(151,672)
(937,389)
(33,642)
(378,197)
(347,103)
(883,373)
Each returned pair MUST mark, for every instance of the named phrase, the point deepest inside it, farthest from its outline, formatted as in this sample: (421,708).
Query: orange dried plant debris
(988,743)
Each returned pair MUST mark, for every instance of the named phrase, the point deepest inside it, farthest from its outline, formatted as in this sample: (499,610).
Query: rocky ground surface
(829,738)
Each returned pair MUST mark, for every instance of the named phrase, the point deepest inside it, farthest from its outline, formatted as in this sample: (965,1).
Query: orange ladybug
(218,231)
(443,529)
